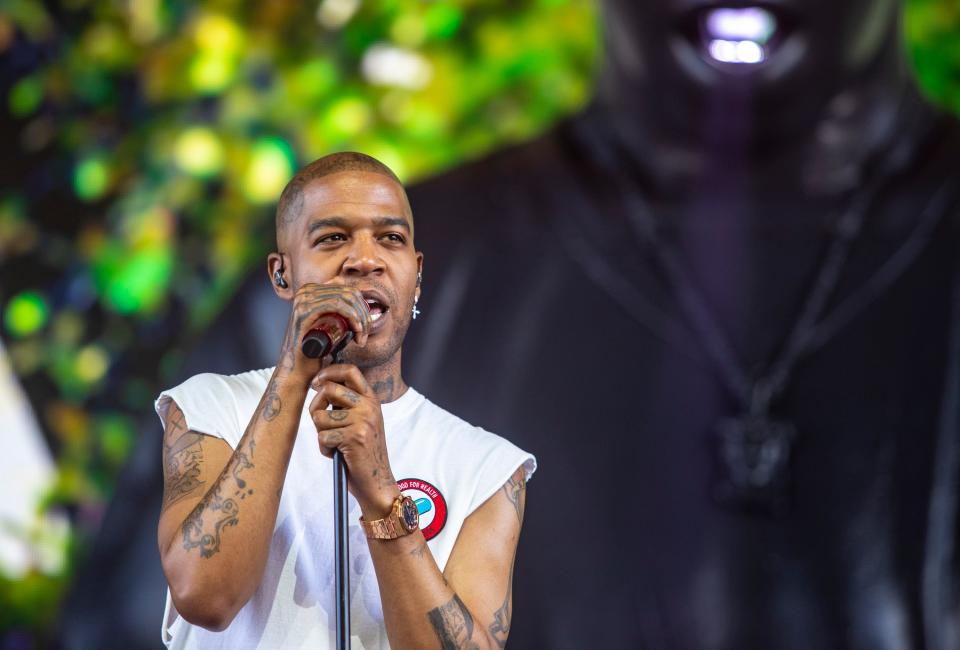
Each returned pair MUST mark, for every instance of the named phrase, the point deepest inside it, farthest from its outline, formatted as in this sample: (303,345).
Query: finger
(336,303)
(319,403)
(317,300)
(364,316)
(331,419)
(347,375)
(361,321)
(331,439)
(338,395)
(358,308)
(326,451)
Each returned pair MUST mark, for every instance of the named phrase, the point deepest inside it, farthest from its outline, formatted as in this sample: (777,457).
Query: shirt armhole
(208,407)
(504,467)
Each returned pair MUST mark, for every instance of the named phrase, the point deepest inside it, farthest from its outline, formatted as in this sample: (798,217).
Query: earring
(416,312)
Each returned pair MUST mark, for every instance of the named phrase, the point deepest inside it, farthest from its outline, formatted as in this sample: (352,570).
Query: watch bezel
(406,500)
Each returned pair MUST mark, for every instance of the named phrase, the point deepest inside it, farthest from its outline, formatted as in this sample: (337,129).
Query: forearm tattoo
(204,532)
(204,527)
(182,458)
(500,628)
(271,402)
(453,625)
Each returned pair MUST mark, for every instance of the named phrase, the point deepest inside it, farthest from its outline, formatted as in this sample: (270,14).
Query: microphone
(329,335)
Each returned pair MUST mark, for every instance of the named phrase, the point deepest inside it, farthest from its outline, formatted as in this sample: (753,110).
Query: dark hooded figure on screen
(723,306)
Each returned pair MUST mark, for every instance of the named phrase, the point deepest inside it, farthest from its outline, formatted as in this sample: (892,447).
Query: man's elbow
(201,595)
(212,611)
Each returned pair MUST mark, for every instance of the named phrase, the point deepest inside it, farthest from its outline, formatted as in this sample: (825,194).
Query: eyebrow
(340,222)
(399,222)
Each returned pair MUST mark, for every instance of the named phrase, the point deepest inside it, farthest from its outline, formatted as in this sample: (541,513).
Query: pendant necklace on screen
(753,447)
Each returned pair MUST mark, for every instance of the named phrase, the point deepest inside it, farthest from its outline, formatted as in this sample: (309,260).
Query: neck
(386,379)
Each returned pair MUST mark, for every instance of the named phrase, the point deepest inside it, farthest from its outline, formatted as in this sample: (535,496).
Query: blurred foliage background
(146,141)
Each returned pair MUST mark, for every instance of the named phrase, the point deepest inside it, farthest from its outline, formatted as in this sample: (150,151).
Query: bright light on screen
(739,35)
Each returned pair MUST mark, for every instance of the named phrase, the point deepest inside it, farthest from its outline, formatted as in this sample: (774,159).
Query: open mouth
(376,305)
(741,36)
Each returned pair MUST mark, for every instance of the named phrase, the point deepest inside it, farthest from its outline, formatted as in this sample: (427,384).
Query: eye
(332,238)
(395,237)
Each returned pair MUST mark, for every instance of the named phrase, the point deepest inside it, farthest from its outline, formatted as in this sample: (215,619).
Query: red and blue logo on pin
(430,504)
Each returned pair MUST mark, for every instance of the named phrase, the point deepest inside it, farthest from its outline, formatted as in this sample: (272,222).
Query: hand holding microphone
(330,334)
(324,318)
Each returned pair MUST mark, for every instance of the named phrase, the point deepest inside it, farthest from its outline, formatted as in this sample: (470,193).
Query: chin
(365,359)
(379,351)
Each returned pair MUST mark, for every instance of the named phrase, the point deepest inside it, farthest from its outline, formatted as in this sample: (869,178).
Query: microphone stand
(342,532)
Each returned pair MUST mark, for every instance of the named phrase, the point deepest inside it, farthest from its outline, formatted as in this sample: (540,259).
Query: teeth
(376,316)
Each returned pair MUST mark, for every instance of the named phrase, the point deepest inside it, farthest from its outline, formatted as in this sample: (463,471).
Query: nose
(363,258)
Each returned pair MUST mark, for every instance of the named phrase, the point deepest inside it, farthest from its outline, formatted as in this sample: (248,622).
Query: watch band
(391,526)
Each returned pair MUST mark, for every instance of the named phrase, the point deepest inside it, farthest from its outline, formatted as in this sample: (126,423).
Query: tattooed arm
(469,605)
(220,506)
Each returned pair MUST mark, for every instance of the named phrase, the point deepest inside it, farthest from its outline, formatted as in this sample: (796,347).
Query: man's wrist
(290,383)
(379,507)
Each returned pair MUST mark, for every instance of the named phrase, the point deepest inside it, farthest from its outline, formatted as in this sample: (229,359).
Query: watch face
(409,514)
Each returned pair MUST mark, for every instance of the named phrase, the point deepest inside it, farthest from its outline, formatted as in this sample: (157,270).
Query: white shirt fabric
(294,604)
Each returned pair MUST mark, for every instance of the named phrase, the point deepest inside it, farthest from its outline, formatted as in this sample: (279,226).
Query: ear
(275,264)
(416,293)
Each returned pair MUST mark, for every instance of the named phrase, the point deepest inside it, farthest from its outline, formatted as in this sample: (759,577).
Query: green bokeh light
(91,178)
(198,151)
(116,434)
(271,165)
(443,20)
(25,96)
(347,117)
(135,283)
(210,72)
(26,313)
(91,362)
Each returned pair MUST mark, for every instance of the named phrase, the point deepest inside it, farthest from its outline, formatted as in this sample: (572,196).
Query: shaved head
(291,200)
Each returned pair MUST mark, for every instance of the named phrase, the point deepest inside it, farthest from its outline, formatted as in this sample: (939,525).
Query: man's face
(356,229)
(818,44)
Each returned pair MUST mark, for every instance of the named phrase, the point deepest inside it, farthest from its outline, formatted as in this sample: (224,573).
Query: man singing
(246,530)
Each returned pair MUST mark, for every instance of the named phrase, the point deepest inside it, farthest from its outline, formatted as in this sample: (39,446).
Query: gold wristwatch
(404,518)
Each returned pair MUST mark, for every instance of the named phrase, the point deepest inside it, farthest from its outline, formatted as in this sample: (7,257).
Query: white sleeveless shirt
(447,466)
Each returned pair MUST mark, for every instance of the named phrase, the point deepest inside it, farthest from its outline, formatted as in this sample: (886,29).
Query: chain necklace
(753,448)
